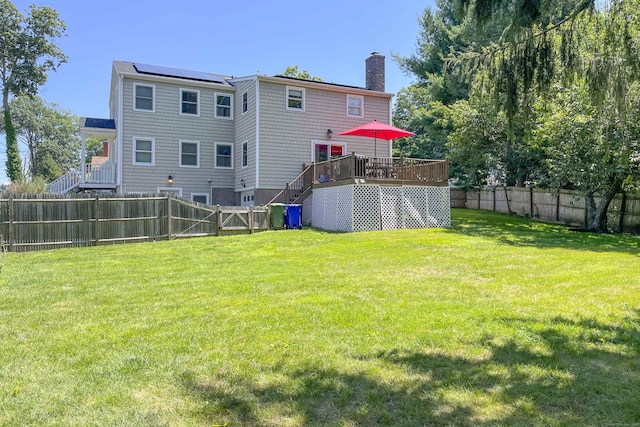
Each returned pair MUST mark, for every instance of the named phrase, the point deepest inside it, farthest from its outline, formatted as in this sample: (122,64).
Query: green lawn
(495,321)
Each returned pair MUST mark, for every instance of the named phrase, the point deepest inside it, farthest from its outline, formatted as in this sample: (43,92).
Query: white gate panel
(366,207)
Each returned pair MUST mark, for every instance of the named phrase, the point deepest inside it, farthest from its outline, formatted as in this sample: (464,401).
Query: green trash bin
(276,216)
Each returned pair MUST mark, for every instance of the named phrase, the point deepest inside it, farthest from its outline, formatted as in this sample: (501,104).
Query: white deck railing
(99,174)
(65,183)
(92,174)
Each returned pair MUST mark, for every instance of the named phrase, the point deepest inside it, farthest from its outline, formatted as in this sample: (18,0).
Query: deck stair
(297,190)
(67,183)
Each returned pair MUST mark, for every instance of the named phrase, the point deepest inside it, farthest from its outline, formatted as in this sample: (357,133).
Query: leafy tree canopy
(27,54)
(296,73)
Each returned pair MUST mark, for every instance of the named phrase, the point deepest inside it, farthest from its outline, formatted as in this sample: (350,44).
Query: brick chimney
(105,148)
(375,72)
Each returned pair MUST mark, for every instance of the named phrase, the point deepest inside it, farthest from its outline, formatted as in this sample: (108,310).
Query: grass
(495,321)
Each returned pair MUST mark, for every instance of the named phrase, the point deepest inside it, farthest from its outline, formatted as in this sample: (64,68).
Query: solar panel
(176,72)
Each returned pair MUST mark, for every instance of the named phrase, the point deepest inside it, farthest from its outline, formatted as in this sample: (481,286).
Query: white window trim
(361,98)
(242,155)
(153,97)
(304,103)
(177,190)
(200,194)
(319,142)
(245,93)
(180,154)
(182,90)
(215,105)
(153,151)
(215,155)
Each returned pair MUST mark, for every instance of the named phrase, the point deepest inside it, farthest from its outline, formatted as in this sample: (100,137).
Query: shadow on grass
(562,372)
(516,231)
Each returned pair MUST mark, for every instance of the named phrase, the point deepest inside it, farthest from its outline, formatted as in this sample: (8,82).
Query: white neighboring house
(220,139)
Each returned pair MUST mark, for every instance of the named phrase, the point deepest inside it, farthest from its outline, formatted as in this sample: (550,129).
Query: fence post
(251,222)
(494,199)
(558,206)
(11,230)
(96,236)
(218,219)
(169,217)
(530,202)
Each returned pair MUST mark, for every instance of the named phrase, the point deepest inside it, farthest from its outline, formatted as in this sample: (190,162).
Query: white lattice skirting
(374,207)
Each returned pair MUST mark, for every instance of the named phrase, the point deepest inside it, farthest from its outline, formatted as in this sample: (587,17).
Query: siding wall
(245,132)
(167,126)
(286,136)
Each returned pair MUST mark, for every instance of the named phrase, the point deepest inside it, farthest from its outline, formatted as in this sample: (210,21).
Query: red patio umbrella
(377,130)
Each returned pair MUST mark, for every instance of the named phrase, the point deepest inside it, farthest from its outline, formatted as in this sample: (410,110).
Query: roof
(90,122)
(157,71)
(160,72)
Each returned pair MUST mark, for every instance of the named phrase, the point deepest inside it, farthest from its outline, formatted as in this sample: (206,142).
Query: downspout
(120,144)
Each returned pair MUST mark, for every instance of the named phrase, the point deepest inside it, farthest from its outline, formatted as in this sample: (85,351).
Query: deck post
(353,165)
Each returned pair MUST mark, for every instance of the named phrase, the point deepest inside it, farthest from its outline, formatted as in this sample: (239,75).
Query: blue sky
(331,39)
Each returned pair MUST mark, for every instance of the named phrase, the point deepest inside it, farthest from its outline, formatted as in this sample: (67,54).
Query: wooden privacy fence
(564,206)
(29,223)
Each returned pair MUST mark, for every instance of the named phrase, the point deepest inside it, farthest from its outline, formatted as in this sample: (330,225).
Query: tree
(27,53)
(50,134)
(297,74)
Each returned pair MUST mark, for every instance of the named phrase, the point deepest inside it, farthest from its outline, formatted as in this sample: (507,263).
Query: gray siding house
(221,139)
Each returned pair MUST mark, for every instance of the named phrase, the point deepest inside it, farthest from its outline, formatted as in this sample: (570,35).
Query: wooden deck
(356,169)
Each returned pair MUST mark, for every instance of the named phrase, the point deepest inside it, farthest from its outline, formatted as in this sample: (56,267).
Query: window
(224,155)
(143,97)
(189,102)
(144,151)
(245,154)
(200,198)
(354,105)
(295,98)
(323,151)
(189,154)
(245,102)
(224,102)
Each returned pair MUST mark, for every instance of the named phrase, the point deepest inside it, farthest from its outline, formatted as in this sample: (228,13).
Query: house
(225,140)
(221,139)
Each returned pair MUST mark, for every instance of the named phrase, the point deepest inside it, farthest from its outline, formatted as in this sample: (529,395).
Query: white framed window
(224,105)
(322,150)
(190,154)
(355,106)
(245,154)
(144,152)
(190,102)
(174,191)
(224,155)
(144,97)
(245,102)
(295,98)
(200,198)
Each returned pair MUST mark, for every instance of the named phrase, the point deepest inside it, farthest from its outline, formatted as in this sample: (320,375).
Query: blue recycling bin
(293,216)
